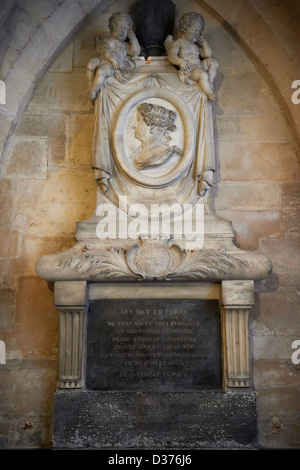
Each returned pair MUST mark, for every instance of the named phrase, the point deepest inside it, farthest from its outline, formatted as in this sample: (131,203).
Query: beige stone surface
(166,291)
(68,196)
(100,22)
(63,92)
(6,123)
(7,309)
(232,59)
(72,293)
(285,73)
(248,91)
(250,226)
(261,128)
(284,21)
(252,195)
(6,202)
(37,336)
(8,273)
(84,45)
(28,159)
(80,143)
(51,127)
(273,346)
(64,62)
(291,209)
(286,260)
(275,373)
(32,247)
(9,243)
(279,312)
(294,114)
(263,161)
(257,46)
(235,293)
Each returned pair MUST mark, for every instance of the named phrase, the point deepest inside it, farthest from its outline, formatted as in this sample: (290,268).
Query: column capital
(235,294)
(70,294)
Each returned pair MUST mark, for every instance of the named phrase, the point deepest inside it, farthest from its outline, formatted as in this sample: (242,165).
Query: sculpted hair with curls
(116,17)
(188,19)
(158,116)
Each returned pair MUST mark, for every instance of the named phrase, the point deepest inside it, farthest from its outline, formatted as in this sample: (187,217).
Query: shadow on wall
(216,111)
(270,284)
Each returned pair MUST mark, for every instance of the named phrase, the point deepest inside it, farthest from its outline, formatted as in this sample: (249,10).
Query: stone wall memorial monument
(154,297)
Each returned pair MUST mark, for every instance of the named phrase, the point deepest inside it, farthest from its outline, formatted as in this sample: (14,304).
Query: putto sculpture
(127,90)
(192,54)
(115,53)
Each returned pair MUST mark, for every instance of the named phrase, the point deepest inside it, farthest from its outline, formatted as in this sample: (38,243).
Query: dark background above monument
(154,20)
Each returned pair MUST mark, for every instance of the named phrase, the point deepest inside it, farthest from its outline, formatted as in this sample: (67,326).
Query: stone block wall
(47,185)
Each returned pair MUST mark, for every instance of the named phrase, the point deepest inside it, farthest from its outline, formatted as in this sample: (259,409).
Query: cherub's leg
(90,70)
(99,80)
(201,77)
(211,65)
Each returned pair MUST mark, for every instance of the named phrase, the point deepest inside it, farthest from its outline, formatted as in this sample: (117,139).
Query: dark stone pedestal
(154,420)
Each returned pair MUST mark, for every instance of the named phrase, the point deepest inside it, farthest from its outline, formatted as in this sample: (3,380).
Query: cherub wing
(168,43)
(97,41)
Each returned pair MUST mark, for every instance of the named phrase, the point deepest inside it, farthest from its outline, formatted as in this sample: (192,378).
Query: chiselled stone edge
(111,266)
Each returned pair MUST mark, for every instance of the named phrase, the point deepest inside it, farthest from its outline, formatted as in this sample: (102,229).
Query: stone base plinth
(154,420)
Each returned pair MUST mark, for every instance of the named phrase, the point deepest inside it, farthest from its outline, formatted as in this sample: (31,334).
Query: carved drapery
(112,97)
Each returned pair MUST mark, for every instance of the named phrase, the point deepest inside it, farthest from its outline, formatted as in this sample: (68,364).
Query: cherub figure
(192,54)
(115,53)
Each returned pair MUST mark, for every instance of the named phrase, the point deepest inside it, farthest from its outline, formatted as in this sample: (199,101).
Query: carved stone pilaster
(71,301)
(237,297)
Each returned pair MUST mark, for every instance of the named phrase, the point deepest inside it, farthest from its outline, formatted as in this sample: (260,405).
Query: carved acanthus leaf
(140,263)
(207,264)
(108,264)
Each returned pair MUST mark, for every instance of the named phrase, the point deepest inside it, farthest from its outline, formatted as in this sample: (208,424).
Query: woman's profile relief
(153,127)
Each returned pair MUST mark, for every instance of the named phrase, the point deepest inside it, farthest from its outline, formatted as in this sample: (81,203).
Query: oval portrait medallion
(153,137)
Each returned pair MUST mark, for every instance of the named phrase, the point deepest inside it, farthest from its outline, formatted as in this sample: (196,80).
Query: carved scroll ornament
(153,260)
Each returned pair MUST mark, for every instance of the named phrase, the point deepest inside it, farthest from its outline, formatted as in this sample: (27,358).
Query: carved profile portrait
(153,137)
(153,126)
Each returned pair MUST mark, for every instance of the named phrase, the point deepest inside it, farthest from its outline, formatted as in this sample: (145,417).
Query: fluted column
(237,298)
(71,301)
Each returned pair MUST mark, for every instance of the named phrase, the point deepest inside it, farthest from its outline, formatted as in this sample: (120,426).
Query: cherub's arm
(132,47)
(205,49)
(91,67)
(106,53)
(173,55)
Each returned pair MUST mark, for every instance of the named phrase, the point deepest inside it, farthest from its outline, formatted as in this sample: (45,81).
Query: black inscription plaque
(153,345)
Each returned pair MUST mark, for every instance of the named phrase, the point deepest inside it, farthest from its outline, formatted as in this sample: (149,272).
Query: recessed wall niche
(154,337)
